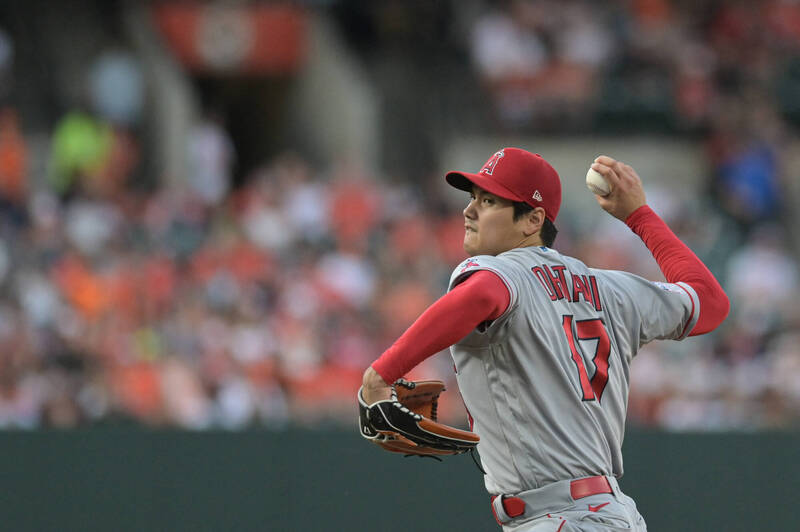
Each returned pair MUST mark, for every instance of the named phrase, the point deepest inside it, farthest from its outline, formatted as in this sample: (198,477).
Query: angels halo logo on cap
(488,168)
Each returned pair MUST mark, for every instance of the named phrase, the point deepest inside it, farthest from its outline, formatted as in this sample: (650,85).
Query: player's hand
(375,388)
(627,193)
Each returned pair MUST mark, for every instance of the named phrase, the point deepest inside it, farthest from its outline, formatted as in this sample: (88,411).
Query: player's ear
(534,221)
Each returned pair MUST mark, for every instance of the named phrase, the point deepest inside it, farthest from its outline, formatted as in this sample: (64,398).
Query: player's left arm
(482,296)
(677,262)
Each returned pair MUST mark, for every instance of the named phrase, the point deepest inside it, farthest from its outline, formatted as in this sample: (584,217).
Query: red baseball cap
(516,175)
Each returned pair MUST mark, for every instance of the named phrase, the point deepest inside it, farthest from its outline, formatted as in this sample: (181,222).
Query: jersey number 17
(592,329)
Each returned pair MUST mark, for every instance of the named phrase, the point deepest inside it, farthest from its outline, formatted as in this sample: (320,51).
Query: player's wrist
(372,381)
(637,214)
(375,387)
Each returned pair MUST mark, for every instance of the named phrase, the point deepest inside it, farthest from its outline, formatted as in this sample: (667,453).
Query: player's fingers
(618,166)
(627,172)
(624,171)
(604,202)
(605,160)
(608,173)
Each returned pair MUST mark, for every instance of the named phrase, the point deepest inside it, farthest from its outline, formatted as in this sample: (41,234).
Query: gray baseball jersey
(546,384)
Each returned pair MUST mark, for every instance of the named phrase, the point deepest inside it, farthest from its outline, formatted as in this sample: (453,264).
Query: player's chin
(470,243)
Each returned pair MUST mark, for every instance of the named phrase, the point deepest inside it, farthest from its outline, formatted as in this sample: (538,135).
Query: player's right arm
(677,262)
(482,296)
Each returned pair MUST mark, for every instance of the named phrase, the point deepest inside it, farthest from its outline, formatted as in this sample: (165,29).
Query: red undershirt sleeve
(679,264)
(482,296)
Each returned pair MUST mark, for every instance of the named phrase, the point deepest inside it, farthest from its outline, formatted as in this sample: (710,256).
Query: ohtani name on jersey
(558,286)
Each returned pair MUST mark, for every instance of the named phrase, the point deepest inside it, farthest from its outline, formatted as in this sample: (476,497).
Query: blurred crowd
(210,310)
(226,303)
(264,305)
(556,65)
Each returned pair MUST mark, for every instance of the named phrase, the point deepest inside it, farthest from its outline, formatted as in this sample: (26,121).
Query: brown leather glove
(407,424)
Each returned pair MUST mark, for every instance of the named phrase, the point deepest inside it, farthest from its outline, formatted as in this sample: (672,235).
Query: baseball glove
(407,424)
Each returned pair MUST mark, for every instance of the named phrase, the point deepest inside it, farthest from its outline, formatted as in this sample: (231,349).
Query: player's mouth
(469,228)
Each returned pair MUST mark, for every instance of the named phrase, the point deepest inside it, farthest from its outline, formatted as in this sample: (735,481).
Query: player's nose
(469,210)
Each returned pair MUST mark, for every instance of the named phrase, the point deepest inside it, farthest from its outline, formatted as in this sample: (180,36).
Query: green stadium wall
(331,480)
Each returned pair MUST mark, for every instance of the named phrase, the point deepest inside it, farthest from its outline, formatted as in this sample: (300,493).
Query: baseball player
(542,343)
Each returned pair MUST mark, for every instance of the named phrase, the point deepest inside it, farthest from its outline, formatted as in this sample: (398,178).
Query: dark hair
(548,232)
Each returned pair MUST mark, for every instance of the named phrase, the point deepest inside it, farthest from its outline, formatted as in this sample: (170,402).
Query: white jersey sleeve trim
(695,312)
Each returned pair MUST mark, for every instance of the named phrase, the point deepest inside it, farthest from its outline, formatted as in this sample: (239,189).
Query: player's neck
(529,241)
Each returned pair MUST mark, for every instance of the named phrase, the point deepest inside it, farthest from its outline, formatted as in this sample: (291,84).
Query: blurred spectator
(13,164)
(116,86)
(763,281)
(80,150)
(211,156)
(354,206)
(745,150)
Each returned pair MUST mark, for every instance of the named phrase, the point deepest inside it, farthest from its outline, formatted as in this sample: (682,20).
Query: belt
(529,503)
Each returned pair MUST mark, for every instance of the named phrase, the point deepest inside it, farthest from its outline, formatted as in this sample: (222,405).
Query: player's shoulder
(477,262)
(496,264)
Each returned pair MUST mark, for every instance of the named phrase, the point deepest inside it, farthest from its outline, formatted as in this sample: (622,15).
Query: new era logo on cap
(516,175)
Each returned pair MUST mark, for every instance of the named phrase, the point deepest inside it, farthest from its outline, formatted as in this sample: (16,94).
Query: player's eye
(488,200)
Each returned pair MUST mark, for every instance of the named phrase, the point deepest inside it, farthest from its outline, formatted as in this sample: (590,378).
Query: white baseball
(597,183)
